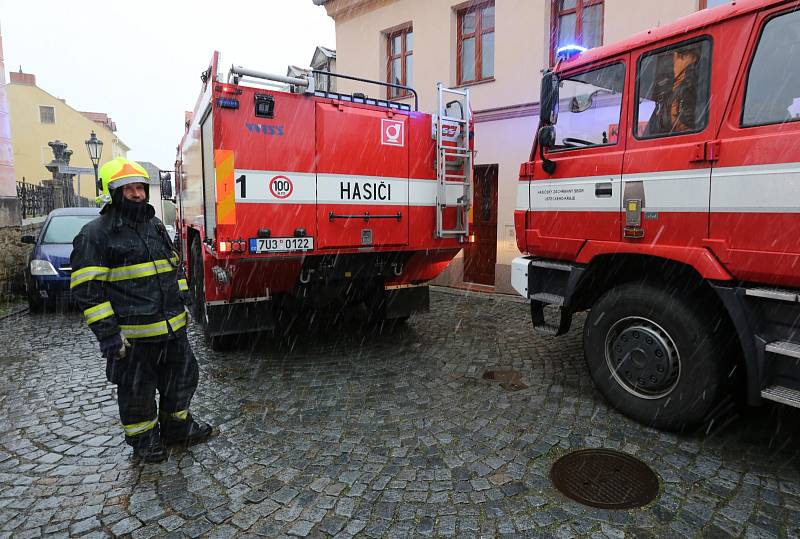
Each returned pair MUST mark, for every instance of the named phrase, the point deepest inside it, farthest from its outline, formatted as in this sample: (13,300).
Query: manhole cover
(509,380)
(604,478)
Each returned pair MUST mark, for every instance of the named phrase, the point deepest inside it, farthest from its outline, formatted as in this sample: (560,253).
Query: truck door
(581,199)
(755,184)
(362,176)
(666,174)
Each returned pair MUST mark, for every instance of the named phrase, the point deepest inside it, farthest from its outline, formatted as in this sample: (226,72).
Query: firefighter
(128,281)
(676,95)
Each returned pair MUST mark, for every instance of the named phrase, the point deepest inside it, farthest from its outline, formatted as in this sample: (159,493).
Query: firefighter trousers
(168,367)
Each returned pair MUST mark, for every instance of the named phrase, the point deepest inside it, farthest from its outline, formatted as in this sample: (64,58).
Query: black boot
(185,432)
(147,447)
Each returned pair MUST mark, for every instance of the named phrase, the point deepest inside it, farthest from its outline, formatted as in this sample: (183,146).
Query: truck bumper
(239,317)
(519,275)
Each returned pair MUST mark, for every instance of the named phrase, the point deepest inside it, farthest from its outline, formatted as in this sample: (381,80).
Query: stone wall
(13,257)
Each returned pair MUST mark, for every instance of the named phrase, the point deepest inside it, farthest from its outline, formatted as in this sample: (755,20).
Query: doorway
(480,257)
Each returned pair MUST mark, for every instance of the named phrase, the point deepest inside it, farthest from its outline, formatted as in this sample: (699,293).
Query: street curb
(477,294)
(20,310)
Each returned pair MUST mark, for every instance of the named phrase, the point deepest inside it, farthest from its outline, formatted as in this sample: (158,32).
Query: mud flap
(402,302)
(245,317)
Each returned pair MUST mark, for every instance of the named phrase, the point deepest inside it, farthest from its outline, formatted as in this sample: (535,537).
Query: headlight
(42,267)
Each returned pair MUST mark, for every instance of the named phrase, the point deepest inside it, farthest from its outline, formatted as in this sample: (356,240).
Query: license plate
(281,245)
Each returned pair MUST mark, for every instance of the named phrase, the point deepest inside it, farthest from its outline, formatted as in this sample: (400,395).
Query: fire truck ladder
(453,161)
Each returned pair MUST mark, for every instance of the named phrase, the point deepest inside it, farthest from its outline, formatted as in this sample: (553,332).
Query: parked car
(48,272)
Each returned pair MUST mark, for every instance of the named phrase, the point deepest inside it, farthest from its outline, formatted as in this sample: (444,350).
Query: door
(755,184)
(666,175)
(362,176)
(581,199)
(480,256)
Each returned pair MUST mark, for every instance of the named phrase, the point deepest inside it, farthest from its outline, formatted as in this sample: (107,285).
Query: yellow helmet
(119,172)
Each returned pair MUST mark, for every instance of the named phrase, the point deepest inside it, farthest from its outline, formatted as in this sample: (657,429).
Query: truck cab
(663,195)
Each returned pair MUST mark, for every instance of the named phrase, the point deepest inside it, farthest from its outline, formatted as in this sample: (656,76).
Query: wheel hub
(642,357)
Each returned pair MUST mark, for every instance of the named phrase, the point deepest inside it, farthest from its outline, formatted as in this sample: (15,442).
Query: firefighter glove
(114,347)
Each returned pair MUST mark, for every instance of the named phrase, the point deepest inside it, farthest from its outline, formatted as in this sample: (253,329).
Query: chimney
(23,78)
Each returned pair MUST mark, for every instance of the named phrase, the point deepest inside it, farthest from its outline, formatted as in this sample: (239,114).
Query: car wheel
(656,356)
(35,304)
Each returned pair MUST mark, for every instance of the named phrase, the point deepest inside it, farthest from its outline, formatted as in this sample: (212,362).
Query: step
(454,119)
(550,299)
(782,394)
(784,348)
(546,329)
(780,294)
(547,264)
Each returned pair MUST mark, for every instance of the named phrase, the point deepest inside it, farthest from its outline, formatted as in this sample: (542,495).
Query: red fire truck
(663,195)
(299,196)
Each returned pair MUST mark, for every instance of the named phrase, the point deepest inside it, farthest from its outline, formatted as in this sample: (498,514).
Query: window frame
(40,114)
(595,67)
(746,79)
(478,34)
(404,54)
(556,14)
(635,101)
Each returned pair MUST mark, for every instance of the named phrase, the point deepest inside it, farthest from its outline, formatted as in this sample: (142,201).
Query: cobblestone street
(351,434)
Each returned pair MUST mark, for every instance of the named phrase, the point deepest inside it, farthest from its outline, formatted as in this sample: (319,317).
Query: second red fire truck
(663,195)
(294,199)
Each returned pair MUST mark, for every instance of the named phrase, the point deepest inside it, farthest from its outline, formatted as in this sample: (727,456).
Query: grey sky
(140,61)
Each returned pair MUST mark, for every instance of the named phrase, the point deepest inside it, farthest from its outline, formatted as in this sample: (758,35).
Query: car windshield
(64,228)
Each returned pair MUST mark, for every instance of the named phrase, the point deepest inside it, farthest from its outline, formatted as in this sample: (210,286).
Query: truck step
(546,329)
(547,264)
(550,299)
(780,294)
(541,326)
(782,394)
(784,348)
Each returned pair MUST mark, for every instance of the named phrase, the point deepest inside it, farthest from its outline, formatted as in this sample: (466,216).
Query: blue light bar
(568,51)
(227,103)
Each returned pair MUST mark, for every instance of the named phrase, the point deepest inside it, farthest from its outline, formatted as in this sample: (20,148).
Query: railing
(39,200)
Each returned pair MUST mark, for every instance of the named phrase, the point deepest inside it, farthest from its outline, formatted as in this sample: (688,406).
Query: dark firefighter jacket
(126,278)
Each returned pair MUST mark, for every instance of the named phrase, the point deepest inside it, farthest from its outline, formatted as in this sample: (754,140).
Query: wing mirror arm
(547,139)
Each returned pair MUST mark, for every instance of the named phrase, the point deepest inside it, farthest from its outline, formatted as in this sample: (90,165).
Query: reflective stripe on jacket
(127,279)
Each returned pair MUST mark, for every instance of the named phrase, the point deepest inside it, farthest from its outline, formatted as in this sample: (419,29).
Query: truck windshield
(590,105)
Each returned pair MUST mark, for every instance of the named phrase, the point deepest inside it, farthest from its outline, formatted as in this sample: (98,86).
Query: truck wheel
(218,343)
(654,356)
(198,286)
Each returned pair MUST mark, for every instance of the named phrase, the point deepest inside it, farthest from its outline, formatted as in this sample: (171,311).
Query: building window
(476,43)
(576,22)
(399,65)
(713,3)
(47,115)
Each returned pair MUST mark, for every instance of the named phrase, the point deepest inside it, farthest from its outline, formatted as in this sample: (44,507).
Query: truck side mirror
(548,98)
(166,185)
(547,136)
(28,239)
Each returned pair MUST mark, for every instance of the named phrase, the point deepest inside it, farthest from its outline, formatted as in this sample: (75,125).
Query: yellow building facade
(38,117)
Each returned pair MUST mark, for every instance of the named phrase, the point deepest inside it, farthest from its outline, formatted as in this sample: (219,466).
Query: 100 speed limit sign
(280,187)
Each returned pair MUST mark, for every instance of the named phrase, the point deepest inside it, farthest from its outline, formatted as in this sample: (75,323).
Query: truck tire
(197,283)
(219,343)
(655,356)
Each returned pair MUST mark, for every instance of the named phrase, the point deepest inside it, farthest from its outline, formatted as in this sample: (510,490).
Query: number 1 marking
(243,180)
